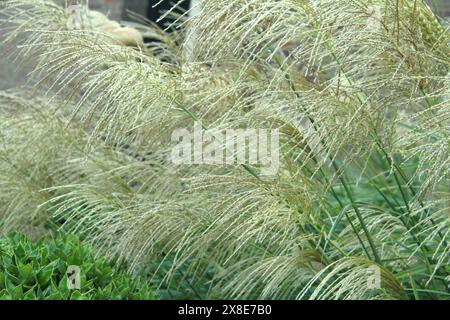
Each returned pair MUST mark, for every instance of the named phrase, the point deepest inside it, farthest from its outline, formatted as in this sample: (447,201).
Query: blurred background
(10,76)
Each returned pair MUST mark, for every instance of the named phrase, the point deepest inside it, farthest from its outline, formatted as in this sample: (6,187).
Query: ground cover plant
(39,271)
(359,90)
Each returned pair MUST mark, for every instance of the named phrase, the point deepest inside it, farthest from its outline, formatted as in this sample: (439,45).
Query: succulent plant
(38,270)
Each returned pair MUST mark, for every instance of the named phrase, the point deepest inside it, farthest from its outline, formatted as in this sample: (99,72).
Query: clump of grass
(363,109)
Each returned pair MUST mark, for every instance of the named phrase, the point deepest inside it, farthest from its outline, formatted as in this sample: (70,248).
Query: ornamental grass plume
(362,102)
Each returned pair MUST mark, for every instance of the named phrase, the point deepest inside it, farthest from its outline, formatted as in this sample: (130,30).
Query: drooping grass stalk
(341,179)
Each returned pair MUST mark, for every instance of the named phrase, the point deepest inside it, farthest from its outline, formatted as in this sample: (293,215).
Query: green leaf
(20,250)
(2,280)
(76,295)
(16,292)
(30,295)
(55,296)
(5,295)
(76,258)
(44,276)
(26,273)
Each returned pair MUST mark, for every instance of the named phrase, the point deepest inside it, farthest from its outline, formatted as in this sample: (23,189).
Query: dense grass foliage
(39,271)
(359,89)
